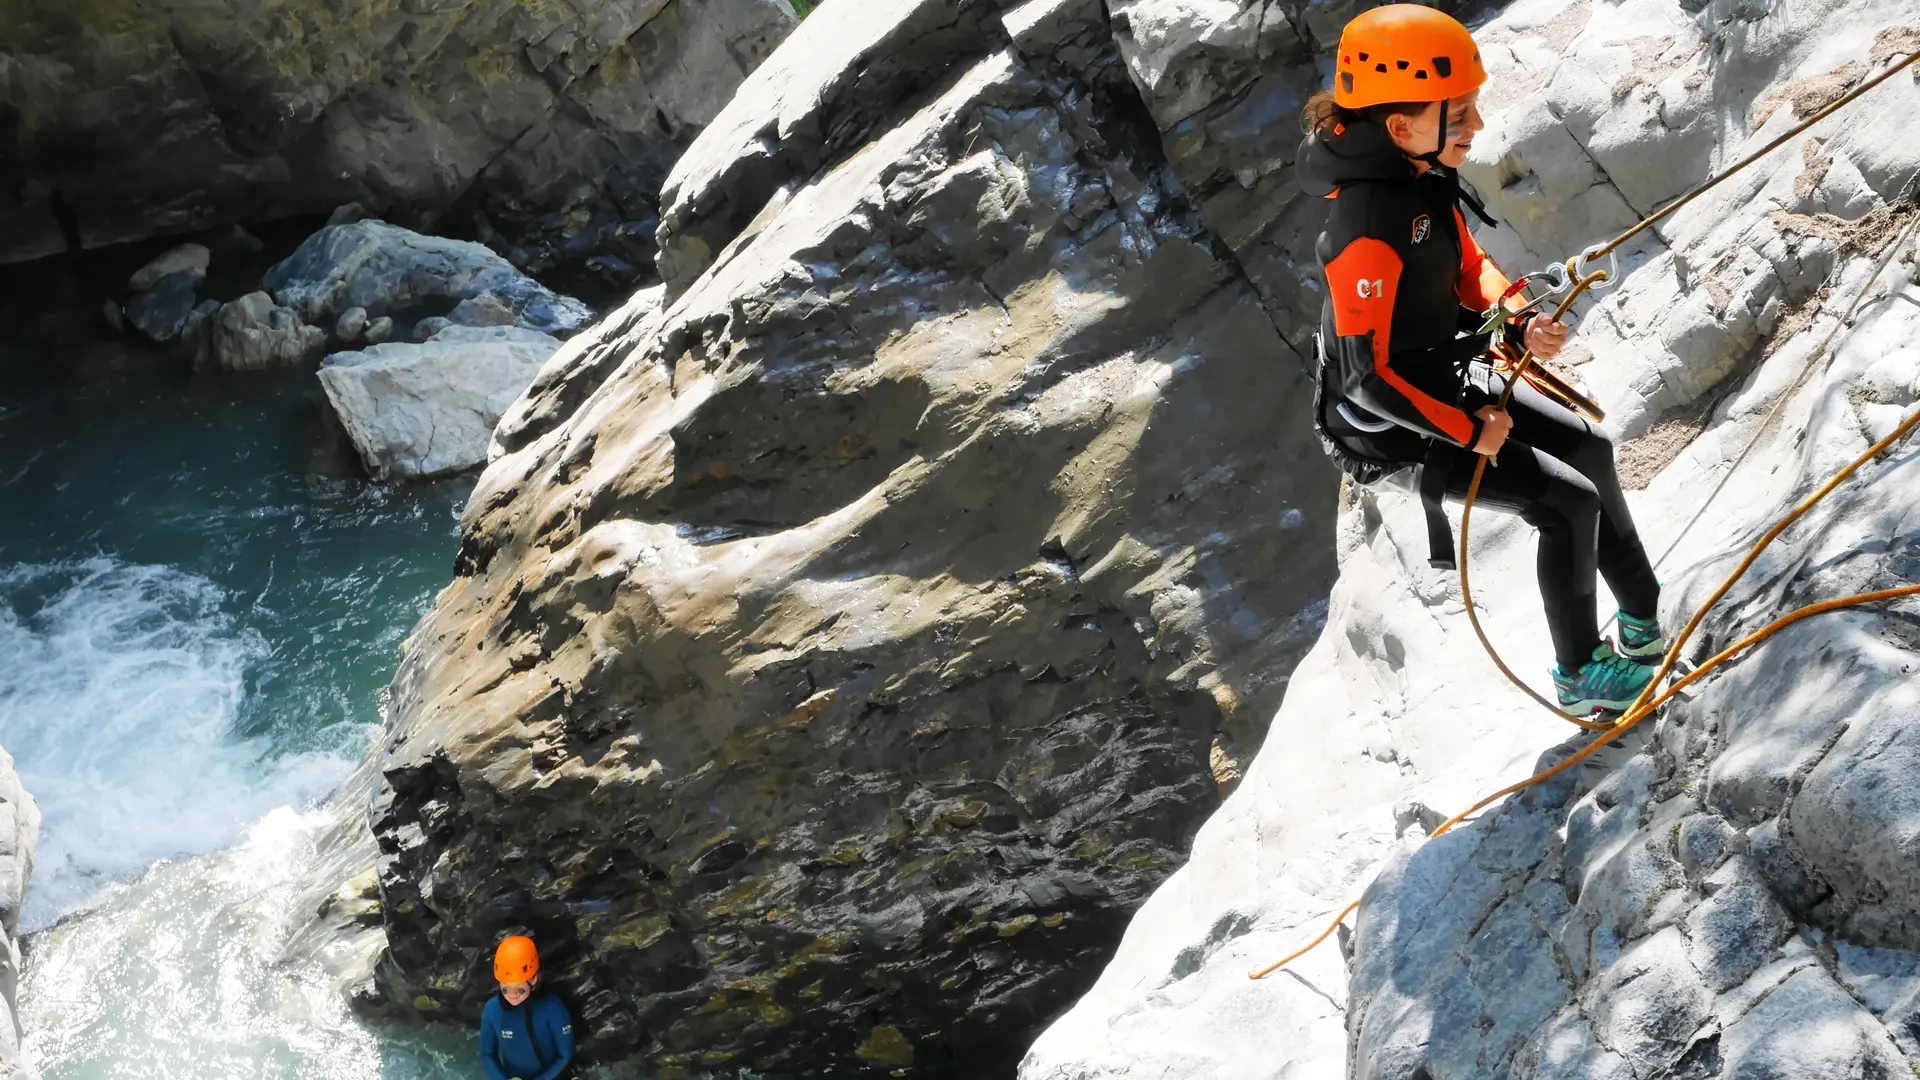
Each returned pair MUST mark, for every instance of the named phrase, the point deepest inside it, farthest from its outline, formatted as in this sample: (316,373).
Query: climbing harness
(1574,278)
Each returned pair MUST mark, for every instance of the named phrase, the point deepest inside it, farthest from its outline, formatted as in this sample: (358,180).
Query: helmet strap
(1432,157)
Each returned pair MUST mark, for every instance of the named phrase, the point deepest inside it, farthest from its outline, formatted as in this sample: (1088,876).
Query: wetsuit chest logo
(1422,228)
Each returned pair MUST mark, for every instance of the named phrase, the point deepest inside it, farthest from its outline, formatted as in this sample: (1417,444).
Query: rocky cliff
(845,641)
(1729,890)
(544,128)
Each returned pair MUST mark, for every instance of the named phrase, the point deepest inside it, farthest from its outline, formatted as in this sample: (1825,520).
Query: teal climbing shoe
(1641,639)
(1610,681)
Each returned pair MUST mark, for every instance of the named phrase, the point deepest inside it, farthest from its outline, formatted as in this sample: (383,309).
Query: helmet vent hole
(1381,68)
(1346,81)
(1363,58)
(1420,74)
(1403,65)
(1444,66)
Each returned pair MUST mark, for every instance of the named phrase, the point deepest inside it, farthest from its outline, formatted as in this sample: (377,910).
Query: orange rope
(1310,946)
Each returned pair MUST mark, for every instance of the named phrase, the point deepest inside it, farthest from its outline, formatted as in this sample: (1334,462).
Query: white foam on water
(120,688)
(182,974)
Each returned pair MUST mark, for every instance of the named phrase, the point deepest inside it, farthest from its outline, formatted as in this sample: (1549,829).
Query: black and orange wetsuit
(1407,285)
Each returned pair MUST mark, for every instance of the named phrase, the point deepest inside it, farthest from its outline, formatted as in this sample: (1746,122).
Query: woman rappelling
(1400,383)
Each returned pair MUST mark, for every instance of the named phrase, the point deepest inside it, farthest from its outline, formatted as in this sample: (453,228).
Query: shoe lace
(1611,671)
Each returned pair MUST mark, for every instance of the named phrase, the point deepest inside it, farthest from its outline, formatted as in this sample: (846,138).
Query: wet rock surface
(546,128)
(844,635)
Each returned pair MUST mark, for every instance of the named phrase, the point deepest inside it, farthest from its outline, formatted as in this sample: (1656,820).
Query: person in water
(524,1034)
(1400,387)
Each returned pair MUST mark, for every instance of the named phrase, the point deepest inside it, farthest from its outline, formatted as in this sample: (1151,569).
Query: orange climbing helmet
(1405,52)
(516,960)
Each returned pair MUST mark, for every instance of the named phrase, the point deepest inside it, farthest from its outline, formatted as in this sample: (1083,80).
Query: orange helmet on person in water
(516,960)
(1405,52)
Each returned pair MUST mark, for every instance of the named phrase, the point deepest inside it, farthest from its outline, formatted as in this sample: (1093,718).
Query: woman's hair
(1323,114)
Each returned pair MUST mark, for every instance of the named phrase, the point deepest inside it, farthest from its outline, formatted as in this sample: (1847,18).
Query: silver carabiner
(1578,267)
(1558,280)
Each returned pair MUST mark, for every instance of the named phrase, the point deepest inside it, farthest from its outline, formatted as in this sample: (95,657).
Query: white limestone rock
(429,409)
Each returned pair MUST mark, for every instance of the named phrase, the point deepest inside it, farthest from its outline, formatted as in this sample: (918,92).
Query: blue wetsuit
(529,1041)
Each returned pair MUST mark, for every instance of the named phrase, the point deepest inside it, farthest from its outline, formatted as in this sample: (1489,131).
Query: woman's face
(1420,133)
(515,993)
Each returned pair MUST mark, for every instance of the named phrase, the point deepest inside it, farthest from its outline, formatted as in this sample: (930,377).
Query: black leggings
(1556,471)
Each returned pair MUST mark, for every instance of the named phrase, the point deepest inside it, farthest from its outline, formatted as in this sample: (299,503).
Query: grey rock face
(840,638)
(386,269)
(429,410)
(550,124)
(253,333)
(161,312)
(789,118)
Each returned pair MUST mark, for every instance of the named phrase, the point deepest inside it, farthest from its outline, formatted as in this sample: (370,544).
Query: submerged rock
(838,648)
(387,269)
(143,120)
(429,409)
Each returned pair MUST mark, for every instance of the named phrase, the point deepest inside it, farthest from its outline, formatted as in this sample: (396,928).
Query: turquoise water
(199,605)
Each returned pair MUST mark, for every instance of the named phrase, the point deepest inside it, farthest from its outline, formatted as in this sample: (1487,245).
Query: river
(199,606)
